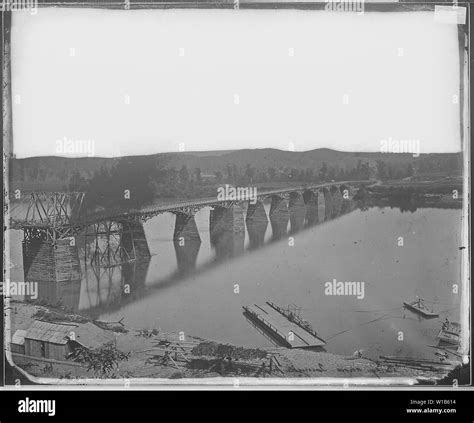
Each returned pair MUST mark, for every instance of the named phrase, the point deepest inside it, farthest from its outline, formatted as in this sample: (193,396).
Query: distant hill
(265,158)
(55,173)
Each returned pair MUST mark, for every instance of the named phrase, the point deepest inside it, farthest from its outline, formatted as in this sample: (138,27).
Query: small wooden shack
(56,340)
(17,345)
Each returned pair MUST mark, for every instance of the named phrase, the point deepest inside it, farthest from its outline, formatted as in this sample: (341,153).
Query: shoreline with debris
(155,355)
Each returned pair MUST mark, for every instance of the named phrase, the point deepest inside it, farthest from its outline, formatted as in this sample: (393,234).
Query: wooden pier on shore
(288,333)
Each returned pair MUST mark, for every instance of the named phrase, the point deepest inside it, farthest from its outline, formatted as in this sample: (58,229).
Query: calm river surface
(200,288)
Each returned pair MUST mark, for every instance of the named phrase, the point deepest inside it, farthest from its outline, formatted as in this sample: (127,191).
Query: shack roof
(19,337)
(54,333)
(91,336)
(86,334)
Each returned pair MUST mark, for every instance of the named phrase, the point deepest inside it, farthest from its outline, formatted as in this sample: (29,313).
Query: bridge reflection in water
(114,255)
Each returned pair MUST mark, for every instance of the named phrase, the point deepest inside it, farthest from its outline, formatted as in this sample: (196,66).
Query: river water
(199,288)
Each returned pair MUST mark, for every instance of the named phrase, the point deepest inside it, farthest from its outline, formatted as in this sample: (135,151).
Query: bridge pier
(186,241)
(134,274)
(336,202)
(327,197)
(311,217)
(133,240)
(185,229)
(257,223)
(227,229)
(256,211)
(327,203)
(233,216)
(311,200)
(279,217)
(310,197)
(297,210)
(279,204)
(66,293)
(321,207)
(47,260)
(347,191)
(186,255)
(347,206)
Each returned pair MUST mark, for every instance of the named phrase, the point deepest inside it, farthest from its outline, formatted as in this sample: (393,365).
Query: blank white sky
(190,99)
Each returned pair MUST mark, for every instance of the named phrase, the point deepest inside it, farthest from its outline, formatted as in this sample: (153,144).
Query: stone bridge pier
(134,274)
(310,198)
(336,200)
(186,240)
(66,293)
(48,259)
(227,229)
(297,211)
(327,197)
(279,216)
(186,255)
(185,229)
(257,223)
(133,239)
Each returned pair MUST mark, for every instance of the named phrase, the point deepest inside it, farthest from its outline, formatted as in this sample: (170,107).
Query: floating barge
(418,306)
(289,333)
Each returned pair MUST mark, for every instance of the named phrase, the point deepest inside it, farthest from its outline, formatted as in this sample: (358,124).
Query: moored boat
(451,327)
(450,332)
(293,315)
(418,306)
(449,338)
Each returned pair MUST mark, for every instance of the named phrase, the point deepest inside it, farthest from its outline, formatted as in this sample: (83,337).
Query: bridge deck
(281,327)
(120,213)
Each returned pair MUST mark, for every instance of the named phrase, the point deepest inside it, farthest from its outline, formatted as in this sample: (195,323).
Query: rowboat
(450,332)
(449,338)
(419,307)
(451,327)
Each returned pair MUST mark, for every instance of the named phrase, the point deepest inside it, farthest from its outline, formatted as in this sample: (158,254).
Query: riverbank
(156,355)
(440,193)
